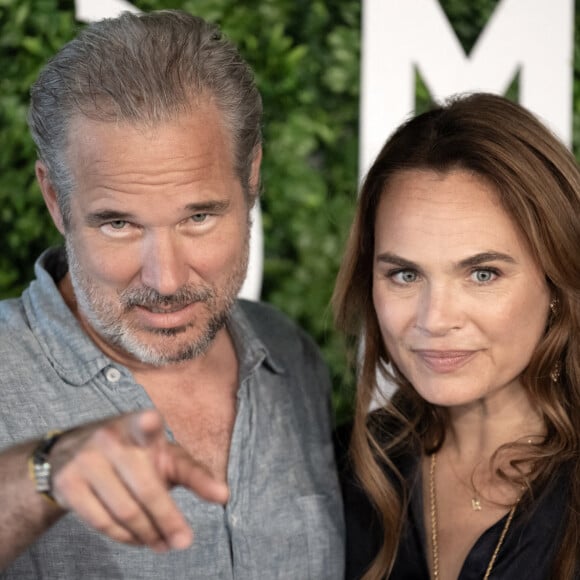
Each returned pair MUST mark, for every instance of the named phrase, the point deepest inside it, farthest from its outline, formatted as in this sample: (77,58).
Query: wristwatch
(39,465)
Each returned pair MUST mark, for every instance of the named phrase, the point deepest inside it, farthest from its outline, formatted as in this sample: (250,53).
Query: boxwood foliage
(306,55)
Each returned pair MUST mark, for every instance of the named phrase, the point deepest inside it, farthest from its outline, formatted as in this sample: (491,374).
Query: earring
(555,372)
(554,306)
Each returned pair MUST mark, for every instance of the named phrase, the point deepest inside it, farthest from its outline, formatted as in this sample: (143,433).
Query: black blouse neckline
(528,550)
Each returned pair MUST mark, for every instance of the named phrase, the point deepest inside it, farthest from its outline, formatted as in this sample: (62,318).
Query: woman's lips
(445,361)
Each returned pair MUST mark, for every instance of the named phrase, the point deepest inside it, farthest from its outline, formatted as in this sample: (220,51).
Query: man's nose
(164,267)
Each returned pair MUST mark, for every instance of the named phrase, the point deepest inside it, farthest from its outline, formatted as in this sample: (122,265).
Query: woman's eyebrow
(390,258)
(484,257)
(470,262)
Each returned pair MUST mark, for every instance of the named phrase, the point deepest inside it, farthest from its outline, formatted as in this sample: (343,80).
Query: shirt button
(113,375)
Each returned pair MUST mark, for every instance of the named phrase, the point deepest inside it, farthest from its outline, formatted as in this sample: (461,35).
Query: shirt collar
(251,350)
(71,352)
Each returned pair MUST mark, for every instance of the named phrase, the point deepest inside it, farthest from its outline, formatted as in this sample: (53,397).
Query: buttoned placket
(238,465)
(126,394)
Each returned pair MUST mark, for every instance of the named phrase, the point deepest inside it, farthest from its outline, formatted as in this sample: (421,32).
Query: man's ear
(49,195)
(255,173)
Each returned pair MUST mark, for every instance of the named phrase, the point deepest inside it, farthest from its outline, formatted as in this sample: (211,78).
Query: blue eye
(404,276)
(118,224)
(199,218)
(484,275)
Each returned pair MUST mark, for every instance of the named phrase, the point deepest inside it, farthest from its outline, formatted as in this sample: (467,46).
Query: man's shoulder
(13,319)
(21,314)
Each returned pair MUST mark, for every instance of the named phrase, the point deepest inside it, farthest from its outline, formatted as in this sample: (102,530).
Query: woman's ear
(49,195)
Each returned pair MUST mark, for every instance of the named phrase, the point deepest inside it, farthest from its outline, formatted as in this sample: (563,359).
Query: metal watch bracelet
(39,467)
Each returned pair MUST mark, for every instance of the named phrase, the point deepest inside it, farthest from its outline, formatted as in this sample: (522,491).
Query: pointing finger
(145,427)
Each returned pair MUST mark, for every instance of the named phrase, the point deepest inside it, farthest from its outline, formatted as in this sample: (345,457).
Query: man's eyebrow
(208,206)
(98,218)
(484,257)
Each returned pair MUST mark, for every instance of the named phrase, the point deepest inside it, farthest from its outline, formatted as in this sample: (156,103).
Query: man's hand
(116,475)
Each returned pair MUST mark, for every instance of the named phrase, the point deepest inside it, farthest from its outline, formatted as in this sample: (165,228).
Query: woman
(462,280)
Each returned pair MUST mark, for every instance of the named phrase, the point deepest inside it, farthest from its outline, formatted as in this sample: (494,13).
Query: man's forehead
(197,133)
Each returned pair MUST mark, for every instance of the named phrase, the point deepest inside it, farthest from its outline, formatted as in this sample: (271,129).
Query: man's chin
(160,357)
(168,332)
(160,347)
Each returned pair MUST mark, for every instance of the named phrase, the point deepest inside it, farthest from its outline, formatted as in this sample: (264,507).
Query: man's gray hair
(143,68)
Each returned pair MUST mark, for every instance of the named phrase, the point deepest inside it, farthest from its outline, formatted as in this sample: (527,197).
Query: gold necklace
(476,505)
(434,525)
(475,499)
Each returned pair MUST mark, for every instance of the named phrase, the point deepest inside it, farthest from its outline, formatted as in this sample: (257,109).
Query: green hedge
(306,57)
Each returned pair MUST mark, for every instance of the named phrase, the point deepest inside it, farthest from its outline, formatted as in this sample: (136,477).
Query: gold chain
(434,526)
(433,510)
(475,499)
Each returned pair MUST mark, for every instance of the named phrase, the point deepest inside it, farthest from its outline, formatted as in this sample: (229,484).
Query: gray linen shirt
(284,517)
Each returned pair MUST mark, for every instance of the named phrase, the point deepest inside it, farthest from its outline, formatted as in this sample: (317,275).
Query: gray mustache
(150,298)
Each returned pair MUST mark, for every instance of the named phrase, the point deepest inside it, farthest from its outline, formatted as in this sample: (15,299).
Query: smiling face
(158,237)
(460,301)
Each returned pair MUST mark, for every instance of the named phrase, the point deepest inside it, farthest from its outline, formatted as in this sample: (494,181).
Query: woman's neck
(477,430)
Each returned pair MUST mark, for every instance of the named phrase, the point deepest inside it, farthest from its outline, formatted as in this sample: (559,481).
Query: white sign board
(532,37)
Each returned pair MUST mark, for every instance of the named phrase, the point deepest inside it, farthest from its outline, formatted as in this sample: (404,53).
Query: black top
(528,550)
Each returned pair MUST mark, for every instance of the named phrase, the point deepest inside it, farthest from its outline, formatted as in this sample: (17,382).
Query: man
(177,407)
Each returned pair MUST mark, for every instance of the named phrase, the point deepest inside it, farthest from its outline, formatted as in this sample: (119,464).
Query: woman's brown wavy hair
(538,184)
